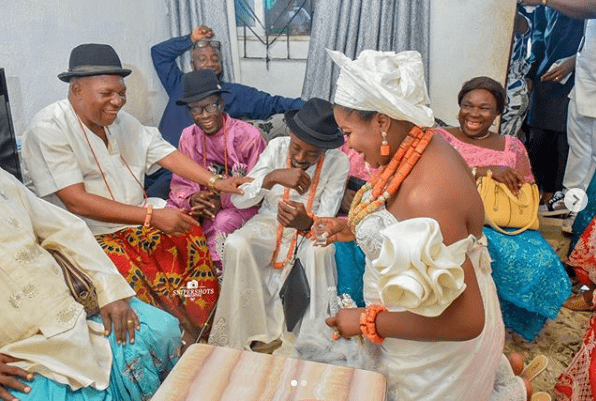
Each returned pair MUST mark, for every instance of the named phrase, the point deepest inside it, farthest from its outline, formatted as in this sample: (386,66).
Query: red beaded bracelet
(368,324)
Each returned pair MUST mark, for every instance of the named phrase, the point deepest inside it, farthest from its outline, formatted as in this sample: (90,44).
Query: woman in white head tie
(432,320)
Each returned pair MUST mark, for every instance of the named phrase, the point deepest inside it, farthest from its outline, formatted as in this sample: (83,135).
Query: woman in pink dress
(531,281)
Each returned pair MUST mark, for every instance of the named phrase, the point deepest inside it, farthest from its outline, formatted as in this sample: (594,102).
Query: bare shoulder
(441,187)
(441,166)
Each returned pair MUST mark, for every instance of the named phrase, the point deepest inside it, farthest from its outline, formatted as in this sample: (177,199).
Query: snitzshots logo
(193,290)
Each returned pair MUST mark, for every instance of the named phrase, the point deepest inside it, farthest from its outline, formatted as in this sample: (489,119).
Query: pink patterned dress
(514,155)
(531,282)
(358,167)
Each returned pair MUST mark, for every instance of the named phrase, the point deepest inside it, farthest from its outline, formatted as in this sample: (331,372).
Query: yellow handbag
(503,209)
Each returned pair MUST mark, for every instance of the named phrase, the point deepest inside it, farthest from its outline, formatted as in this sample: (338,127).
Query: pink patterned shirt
(514,155)
(245,144)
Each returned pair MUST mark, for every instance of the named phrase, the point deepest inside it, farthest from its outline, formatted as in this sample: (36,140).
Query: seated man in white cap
(87,155)
(49,347)
(298,179)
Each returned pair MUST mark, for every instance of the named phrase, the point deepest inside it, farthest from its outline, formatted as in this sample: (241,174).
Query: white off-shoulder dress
(409,268)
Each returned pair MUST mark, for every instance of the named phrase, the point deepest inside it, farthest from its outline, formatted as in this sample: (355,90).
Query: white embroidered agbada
(40,321)
(57,154)
(249,307)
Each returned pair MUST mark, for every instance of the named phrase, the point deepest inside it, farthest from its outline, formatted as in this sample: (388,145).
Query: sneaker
(555,206)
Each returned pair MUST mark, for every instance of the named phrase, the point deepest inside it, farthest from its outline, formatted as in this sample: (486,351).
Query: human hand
(230,185)
(294,178)
(337,229)
(8,378)
(508,176)
(346,322)
(293,214)
(125,320)
(172,221)
(560,71)
(201,32)
(205,204)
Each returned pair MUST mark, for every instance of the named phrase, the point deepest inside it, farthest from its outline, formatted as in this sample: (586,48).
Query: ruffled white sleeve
(418,273)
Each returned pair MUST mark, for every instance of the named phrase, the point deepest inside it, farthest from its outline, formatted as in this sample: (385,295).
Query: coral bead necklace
(280,228)
(389,178)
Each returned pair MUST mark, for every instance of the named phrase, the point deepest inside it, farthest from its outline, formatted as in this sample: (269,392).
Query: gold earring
(385,149)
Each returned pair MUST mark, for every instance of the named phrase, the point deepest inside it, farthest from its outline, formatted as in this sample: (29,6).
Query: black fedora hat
(93,59)
(198,85)
(315,125)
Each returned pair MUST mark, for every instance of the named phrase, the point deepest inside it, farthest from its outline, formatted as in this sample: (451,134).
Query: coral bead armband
(368,324)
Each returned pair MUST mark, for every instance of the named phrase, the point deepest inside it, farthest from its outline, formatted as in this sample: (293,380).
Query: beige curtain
(351,26)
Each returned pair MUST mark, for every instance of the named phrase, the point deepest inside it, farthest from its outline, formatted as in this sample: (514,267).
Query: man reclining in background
(241,101)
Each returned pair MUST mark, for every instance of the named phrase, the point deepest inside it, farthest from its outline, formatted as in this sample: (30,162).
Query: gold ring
(130,322)
(335,335)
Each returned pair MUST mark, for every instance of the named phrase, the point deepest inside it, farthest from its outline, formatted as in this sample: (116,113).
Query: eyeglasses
(207,43)
(210,108)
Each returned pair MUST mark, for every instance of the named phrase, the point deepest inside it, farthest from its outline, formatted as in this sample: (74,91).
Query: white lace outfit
(249,307)
(410,269)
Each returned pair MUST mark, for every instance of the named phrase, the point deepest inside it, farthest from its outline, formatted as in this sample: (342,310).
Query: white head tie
(388,82)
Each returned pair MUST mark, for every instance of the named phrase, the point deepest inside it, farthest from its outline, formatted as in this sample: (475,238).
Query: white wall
(281,77)
(468,38)
(37,37)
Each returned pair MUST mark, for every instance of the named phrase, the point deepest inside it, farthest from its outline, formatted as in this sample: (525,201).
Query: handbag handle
(499,229)
(515,200)
(509,194)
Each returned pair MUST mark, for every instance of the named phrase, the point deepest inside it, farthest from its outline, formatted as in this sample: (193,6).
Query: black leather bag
(295,295)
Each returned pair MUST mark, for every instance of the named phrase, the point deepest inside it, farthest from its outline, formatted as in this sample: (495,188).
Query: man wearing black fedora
(297,179)
(221,144)
(88,156)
